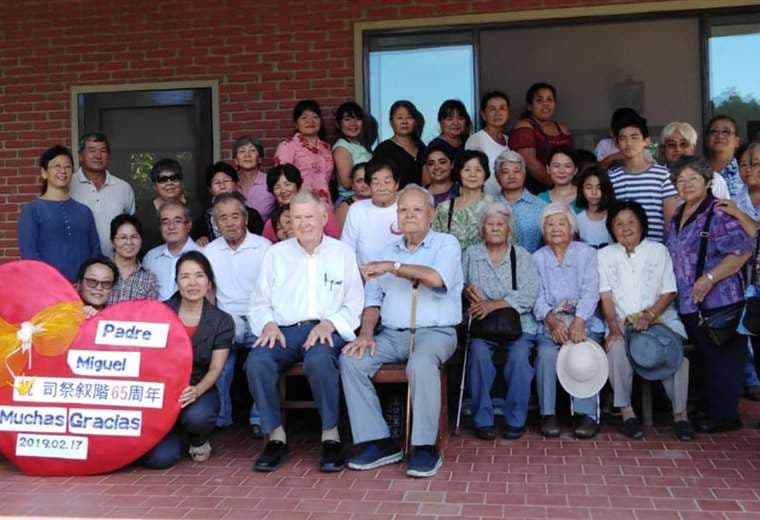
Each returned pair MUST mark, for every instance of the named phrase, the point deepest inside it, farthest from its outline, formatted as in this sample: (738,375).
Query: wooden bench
(388,374)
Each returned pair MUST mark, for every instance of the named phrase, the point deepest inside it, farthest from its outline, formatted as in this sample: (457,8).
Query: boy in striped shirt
(640,179)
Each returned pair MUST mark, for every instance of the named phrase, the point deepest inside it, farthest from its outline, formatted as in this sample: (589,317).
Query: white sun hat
(582,368)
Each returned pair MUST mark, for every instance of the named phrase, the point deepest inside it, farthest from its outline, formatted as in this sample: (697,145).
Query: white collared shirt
(236,271)
(295,286)
(638,280)
(162,263)
(113,198)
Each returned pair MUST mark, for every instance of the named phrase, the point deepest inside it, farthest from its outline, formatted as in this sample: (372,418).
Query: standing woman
(212,332)
(456,126)
(351,148)
(461,216)
(561,167)
(405,149)
(536,133)
(306,150)
(55,228)
(248,152)
(494,112)
(439,162)
(134,282)
(718,286)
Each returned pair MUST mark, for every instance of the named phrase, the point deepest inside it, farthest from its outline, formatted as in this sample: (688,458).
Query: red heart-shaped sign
(90,405)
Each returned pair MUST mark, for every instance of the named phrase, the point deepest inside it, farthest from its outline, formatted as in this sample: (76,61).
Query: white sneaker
(200,453)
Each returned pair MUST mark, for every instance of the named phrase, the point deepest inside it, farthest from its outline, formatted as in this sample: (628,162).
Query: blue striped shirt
(649,188)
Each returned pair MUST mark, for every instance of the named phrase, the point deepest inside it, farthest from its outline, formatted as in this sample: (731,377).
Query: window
(426,70)
(734,77)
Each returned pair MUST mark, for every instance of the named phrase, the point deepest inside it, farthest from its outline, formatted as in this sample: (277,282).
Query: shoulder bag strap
(513,265)
(703,238)
(451,212)
(753,274)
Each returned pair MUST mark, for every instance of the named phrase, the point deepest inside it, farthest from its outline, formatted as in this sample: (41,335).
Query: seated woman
(566,313)
(134,282)
(488,268)
(212,332)
(405,149)
(456,126)
(221,178)
(307,150)
(461,216)
(637,288)
(351,148)
(526,207)
(439,163)
(283,182)
(537,133)
(595,198)
(359,191)
(561,167)
(55,228)
(709,279)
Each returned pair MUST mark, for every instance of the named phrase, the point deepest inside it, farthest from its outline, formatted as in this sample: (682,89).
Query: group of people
(339,257)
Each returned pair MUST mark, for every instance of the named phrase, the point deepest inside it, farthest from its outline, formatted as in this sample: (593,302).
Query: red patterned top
(535,137)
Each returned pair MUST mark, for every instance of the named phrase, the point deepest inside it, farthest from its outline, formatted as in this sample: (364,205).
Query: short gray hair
(557,208)
(416,188)
(305,196)
(508,156)
(685,129)
(233,195)
(496,208)
(691,162)
(172,204)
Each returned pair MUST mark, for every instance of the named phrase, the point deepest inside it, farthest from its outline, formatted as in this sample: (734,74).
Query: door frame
(130,87)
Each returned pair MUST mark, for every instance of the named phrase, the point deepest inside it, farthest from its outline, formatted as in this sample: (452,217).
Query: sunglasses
(92,283)
(169,178)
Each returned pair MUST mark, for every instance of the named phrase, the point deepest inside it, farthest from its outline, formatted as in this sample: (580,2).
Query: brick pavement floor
(610,477)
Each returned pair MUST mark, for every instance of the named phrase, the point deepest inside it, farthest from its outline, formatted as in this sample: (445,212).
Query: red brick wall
(265,55)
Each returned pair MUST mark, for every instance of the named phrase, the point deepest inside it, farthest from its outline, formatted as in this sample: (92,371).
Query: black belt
(300,323)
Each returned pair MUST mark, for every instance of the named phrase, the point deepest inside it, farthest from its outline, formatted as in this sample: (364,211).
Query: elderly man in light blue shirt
(434,260)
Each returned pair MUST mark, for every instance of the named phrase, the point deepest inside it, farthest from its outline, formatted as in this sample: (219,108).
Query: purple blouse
(573,284)
(726,238)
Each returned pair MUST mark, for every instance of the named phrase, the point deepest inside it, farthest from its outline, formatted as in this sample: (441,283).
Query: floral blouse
(464,223)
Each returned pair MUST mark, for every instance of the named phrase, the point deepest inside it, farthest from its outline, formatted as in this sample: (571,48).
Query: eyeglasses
(169,178)
(722,132)
(92,283)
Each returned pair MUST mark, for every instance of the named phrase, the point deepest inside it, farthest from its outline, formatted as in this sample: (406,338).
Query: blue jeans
(546,379)
(264,366)
(518,375)
(196,421)
(224,383)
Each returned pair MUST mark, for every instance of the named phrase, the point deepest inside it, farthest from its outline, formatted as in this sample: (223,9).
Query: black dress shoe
(709,426)
(683,431)
(332,458)
(513,432)
(487,433)
(550,426)
(273,455)
(632,428)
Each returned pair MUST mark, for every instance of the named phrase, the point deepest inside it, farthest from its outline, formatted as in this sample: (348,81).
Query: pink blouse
(314,162)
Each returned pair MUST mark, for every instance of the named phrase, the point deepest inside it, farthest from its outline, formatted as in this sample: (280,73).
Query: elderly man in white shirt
(94,186)
(236,258)
(305,306)
(372,224)
(174,219)
(637,287)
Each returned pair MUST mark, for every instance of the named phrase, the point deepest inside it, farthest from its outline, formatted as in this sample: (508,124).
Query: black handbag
(500,325)
(720,323)
(751,320)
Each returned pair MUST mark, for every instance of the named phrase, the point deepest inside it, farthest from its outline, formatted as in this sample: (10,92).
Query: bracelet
(650,313)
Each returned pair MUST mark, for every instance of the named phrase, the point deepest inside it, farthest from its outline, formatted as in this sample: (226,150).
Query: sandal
(200,453)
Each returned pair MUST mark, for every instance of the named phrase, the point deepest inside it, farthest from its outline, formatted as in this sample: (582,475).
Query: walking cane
(412,332)
(464,373)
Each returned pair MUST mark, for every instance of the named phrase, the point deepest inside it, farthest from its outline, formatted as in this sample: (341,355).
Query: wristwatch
(396,267)
(710,276)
